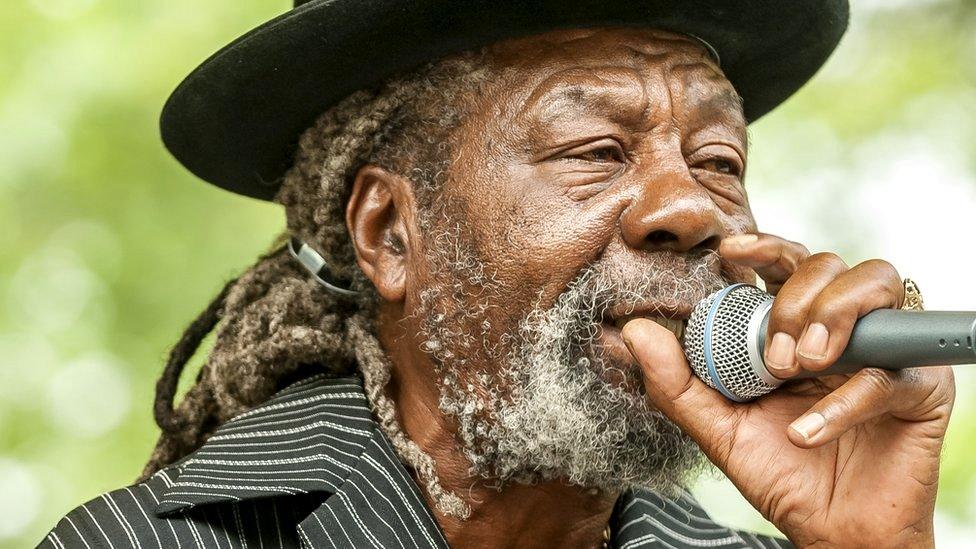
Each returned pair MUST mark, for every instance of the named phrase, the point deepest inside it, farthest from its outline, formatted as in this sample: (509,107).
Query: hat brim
(236,119)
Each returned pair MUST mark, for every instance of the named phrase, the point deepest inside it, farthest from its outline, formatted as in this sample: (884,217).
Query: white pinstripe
(209,522)
(356,518)
(191,525)
(337,521)
(257,526)
(240,527)
(274,505)
(394,507)
(143,511)
(54,539)
(77,531)
(123,522)
(410,508)
(248,445)
(85,507)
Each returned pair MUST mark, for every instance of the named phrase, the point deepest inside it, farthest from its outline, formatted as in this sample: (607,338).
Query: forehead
(617,70)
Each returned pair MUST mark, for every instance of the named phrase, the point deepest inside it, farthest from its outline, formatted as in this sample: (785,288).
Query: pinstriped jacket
(310,468)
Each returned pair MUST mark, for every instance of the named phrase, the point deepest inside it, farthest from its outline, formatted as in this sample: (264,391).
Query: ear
(379,217)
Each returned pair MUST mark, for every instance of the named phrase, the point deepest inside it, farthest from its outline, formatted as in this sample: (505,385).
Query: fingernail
(742,240)
(813,344)
(781,352)
(809,425)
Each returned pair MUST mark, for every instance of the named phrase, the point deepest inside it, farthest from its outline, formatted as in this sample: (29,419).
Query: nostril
(660,238)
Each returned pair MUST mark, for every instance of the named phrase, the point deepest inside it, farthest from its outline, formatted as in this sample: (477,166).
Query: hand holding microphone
(841,458)
(727,332)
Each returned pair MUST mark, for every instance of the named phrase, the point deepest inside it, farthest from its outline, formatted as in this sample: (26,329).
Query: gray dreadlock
(275,323)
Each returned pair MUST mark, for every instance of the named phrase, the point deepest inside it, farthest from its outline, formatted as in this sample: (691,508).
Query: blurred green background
(108,248)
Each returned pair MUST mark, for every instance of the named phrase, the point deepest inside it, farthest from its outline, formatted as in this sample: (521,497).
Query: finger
(701,412)
(773,258)
(788,316)
(830,319)
(914,394)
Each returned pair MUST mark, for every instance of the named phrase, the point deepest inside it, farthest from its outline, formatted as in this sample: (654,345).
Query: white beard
(546,413)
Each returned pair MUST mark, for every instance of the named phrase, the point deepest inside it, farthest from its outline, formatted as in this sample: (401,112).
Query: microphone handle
(894,339)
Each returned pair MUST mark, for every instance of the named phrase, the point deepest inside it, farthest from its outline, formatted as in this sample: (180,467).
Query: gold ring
(913,297)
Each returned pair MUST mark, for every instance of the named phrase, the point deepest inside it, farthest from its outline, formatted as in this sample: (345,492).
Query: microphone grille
(717,341)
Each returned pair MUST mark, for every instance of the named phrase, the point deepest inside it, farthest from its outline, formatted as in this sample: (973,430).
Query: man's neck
(541,515)
(546,514)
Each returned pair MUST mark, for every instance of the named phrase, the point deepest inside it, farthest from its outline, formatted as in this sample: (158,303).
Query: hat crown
(300,2)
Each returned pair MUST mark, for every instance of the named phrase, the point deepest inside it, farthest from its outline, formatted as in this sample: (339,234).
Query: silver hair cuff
(316,266)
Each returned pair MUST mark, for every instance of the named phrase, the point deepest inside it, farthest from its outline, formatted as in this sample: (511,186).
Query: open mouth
(610,339)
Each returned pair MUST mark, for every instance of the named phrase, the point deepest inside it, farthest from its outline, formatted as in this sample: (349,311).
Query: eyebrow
(727,104)
(617,97)
(728,100)
(620,103)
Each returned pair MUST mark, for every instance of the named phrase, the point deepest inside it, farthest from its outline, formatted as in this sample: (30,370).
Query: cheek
(541,240)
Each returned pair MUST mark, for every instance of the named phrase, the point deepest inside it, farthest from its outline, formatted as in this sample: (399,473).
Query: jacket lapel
(378,505)
(644,518)
(305,439)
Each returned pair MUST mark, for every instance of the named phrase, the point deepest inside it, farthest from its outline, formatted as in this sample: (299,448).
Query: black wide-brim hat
(235,120)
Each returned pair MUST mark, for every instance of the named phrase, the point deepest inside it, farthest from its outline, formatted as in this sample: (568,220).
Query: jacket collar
(307,438)
(318,436)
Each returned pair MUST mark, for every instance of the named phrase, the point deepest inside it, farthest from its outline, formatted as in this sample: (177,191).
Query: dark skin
(623,142)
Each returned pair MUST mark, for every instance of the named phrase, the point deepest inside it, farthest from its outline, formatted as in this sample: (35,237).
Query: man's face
(593,183)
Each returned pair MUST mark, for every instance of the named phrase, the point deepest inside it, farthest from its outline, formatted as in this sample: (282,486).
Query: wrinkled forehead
(569,65)
(582,45)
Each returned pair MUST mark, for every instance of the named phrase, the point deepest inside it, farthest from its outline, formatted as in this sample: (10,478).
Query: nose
(672,212)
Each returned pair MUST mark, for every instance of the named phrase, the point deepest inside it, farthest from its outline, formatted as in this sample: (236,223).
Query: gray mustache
(667,281)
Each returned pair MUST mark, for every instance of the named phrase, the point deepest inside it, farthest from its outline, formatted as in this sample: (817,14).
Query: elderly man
(469,336)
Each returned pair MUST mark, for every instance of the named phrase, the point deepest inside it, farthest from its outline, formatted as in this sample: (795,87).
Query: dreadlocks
(275,323)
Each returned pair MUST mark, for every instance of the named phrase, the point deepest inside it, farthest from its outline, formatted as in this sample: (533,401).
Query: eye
(719,165)
(603,154)
(600,153)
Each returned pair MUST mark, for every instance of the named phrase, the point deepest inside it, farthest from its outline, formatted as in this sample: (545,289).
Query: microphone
(726,335)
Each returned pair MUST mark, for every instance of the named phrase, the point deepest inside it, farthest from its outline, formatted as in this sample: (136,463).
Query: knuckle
(787,315)
(883,268)
(838,405)
(801,249)
(828,261)
(829,307)
(884,280)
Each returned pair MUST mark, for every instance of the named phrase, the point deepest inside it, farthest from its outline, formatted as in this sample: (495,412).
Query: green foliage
(108,248)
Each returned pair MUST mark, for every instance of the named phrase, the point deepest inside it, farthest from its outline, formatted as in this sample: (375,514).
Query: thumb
(698,410)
